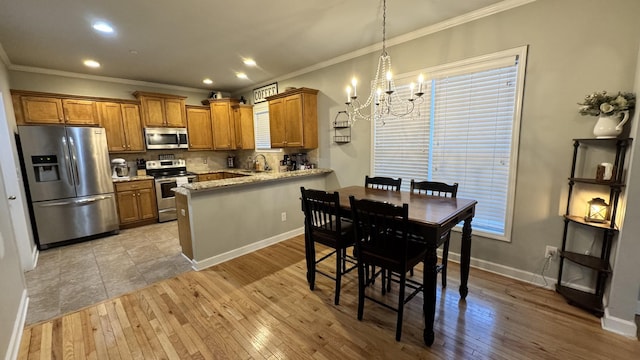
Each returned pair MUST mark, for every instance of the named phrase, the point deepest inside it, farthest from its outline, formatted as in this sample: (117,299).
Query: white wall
(13,177)
(13,290)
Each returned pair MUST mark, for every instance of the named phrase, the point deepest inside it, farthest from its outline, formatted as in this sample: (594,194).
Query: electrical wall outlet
(284,216)
(550,252)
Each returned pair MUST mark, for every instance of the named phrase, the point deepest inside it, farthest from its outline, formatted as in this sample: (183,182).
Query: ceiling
(182,42)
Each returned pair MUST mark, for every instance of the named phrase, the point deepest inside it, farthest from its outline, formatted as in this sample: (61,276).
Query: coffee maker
(120,169)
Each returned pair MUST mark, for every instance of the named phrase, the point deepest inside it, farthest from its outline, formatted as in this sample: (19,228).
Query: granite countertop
(251,178)
(132,178)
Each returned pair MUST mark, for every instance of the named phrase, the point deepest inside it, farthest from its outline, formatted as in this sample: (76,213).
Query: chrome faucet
(266,164)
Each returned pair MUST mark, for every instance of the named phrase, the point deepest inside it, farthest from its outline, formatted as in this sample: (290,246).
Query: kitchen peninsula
(219,220)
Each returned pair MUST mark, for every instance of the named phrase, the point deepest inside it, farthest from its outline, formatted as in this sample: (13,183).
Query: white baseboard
(619,326)
(506,271)
(214,260)
(18,327)
(34,257)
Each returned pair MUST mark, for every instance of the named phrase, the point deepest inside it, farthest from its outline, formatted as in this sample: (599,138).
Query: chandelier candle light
(383,91)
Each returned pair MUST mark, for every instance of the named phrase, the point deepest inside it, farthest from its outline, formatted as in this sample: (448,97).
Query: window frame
(475,64)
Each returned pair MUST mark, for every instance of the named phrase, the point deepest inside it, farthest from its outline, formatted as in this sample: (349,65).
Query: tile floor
(71,277)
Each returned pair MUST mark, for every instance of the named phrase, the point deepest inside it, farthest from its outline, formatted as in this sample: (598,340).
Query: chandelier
(383,96)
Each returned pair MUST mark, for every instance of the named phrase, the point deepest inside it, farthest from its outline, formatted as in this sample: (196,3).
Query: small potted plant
(609,109)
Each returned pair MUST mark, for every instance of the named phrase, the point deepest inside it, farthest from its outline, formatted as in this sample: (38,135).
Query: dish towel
(182,180)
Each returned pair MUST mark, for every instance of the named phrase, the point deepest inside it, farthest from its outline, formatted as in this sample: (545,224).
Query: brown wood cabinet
(199,128)
(122,125)
(136,203)
(223,123)
(243,123)
(293,119)
(32,108)
(162,110)
(80,112)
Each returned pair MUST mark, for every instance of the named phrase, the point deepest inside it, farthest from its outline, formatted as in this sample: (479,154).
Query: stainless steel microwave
(166,138)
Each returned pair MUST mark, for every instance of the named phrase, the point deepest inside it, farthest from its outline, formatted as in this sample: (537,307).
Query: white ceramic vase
(609,127)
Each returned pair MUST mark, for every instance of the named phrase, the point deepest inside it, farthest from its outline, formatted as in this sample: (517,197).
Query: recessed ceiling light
(92,63)
(207,81)
(249,62)
(103,27)
(241,75)
(133,52)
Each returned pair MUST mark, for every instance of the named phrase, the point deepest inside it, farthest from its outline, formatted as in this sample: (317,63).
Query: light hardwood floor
(259,306)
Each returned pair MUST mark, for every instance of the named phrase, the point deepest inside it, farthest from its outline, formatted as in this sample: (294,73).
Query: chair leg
(403,280)
(445,259)
(411,272)
(339,265)
(311,265)
(383,278)
(361,284)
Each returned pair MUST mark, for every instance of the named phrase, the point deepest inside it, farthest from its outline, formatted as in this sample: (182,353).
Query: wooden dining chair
(324,225)
(384,183)
(434,188)
(381,240)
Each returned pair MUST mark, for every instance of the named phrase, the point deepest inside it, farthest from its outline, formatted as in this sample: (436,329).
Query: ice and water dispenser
(46,168)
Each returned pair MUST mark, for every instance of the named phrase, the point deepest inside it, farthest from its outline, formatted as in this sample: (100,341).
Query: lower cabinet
(136,203)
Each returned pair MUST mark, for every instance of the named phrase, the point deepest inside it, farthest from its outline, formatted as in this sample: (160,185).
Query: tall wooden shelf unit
(592,301)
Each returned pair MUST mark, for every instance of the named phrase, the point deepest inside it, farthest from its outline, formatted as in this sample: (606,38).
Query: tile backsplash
(214,160)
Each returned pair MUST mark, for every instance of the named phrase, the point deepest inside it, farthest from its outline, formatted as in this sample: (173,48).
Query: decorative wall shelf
(341,128)
(592,301)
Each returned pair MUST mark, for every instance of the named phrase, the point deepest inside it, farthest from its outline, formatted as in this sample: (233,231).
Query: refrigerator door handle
(67,161)
(74,156)
(78,202)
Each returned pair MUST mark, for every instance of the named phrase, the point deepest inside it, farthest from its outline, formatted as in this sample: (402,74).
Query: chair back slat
(434,188)
(322,211)
(383,183)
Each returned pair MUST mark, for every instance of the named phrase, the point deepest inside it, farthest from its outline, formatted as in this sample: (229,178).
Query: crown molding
(37,70)
(443,25)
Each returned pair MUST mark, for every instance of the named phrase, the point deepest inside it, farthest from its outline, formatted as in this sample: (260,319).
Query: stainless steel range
(168,174)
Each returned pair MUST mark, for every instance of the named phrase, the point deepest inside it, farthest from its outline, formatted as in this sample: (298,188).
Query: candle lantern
(597,211)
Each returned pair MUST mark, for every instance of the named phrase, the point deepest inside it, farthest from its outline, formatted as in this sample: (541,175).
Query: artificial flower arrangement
(602,104)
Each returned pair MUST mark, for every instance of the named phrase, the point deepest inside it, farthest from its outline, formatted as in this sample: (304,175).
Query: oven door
(166,199)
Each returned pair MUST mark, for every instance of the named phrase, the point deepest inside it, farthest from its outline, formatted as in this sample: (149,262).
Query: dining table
(432,217)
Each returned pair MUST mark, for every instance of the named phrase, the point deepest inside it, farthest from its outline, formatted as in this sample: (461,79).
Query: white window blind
(261,126)
(466,133)
(473,123)
(401,147)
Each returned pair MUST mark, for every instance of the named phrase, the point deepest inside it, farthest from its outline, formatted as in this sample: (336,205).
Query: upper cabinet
(35,108)
(243,121)
(162,110)
(223,123)
(199,128)
(122,125)
(293,119)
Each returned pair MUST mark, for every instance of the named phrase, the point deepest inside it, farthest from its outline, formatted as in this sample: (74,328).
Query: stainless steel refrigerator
(69,182)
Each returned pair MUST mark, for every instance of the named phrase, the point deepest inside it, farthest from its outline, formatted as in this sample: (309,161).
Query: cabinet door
(111,121)
(147,204)
(128,206)
(199,129)
(132,127)
(276,123)
(80,112)
(222,126)
(42,110)
(175,113)
(153,111)
(243,116)
(293,121)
